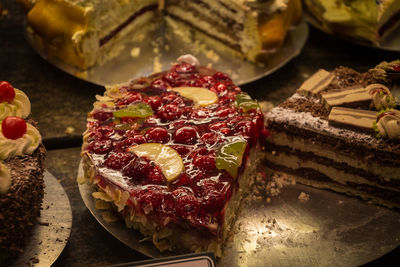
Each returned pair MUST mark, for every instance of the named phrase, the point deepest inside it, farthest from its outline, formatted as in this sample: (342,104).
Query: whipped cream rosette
(20,106)
(17,138)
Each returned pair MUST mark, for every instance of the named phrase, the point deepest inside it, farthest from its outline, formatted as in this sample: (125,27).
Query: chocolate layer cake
(339,131)
(83,33)
(173,154)
(21,172)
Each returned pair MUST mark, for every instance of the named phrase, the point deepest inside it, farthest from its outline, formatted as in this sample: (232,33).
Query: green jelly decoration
(139,110)
(245,102)
(230,156)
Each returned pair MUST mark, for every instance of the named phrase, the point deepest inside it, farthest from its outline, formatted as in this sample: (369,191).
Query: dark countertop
(60,100)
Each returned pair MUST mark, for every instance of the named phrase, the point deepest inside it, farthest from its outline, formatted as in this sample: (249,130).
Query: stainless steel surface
(51,235)
(389,43)
(160,46)
(329,229)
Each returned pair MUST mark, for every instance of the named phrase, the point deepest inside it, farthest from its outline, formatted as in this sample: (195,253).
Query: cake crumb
(135,52)
(212,55)
(69,130)
(304,197)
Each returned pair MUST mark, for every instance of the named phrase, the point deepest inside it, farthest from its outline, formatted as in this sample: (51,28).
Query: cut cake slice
(173,154)
(345,136)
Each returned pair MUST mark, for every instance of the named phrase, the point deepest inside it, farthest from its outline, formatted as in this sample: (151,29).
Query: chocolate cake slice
(342,135)
(22,157)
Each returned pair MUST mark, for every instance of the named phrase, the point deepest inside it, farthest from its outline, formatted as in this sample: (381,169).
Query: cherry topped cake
(22,157)
(173,153)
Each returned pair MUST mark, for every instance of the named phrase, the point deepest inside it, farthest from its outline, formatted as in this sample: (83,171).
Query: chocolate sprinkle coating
(20,206)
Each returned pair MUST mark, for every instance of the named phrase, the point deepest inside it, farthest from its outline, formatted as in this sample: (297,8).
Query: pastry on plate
(341,131)
(21,172)
(363,20)
(83,33)
(173,154)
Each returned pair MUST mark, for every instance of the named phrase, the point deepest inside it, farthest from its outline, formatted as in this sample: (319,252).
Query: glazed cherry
(172,78)
(159,85)
(169,112)
(13,127)
(217,125)
(219,88)
(204,162)
(181,149)
(138,169)
(154,101)
(210,138)
(100,146)
(219,76)
(102,115)
(130,98)
(151,200)
(155,176)
(225,112)
(245,128)
(7,92)
(118,160)
(186,205)
(185,135)
(157,135)
(396,68)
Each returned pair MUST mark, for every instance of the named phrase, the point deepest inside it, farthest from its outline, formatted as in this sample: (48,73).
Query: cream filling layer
(351,159)
(189,17)
(337,175)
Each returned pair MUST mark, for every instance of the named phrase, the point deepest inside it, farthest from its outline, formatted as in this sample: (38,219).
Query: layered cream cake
(82,33)
(21,172)
(366,20)
(340,131)
(173,154)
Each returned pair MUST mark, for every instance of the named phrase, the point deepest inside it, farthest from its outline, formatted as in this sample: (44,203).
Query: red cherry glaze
(130,98)
(154,101)
(160,85)
(100,146)
(155,176)
(187,205)
(102,115)
(210,138)
(169,112)
(118,160)
(13,127)
(185,135)
(219,88)
(205,162)
(157,135)
(7,92)
(199,193)
(396,68)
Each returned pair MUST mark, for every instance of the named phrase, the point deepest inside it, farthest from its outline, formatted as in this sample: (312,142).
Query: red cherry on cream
(13,127)
(7,92)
